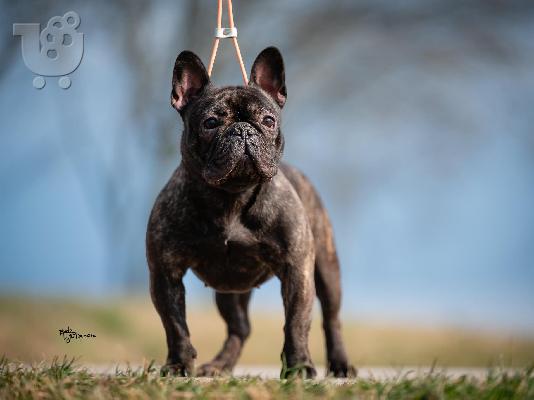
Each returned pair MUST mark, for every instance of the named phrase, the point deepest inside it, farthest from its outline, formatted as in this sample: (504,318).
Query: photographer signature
(68,334)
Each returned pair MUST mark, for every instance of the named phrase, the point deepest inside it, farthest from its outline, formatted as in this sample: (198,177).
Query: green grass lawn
(63,380)
(129,331)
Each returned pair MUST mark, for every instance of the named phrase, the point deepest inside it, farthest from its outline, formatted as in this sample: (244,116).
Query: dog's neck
(215,200)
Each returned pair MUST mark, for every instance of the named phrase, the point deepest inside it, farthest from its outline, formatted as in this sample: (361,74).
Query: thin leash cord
(216,40)
(233,37)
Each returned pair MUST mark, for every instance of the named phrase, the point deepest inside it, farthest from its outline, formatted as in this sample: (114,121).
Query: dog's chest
(231,256)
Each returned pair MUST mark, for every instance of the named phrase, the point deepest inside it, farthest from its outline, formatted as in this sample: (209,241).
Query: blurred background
(414,119)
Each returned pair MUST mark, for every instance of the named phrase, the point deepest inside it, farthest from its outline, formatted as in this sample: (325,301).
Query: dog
(237,216)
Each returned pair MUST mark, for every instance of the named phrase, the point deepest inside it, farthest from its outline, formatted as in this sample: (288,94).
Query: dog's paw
(177,369)
(213,369)
(302,371)
(341,369)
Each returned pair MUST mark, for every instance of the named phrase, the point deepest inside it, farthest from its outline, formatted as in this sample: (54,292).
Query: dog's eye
(211,123)
(268,121)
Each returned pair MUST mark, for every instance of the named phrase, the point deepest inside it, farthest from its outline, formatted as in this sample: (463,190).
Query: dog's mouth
(242,171)
(242,159)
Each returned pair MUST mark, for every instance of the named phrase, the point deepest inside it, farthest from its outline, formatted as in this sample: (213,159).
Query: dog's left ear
(189,78)
(268,73)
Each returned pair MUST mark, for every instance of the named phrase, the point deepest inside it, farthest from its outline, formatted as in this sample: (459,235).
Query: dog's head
(232,137)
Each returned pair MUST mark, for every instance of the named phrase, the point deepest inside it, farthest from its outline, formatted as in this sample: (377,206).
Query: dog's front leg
(298,292)
(168,295)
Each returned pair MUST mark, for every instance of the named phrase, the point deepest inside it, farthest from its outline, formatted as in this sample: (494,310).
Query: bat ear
(189,79)
(268,73)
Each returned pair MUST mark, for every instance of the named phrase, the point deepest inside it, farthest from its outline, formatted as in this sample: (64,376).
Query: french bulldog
(237,216)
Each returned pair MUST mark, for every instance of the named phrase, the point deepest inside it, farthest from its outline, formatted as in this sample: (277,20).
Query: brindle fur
(236,216)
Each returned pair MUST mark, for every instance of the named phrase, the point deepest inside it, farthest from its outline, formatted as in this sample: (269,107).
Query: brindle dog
(237,216)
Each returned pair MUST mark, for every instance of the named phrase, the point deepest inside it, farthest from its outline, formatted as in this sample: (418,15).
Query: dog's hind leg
(233,307)
(328,289)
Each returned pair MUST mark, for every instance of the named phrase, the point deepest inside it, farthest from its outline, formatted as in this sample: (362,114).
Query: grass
(62,379)
(129,330)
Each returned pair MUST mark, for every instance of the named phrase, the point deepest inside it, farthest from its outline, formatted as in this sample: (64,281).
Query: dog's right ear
(189,78)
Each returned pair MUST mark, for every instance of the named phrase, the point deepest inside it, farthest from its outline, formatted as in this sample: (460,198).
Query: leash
(226,33)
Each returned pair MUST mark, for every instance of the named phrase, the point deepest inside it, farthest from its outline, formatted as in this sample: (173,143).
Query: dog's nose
(241,129)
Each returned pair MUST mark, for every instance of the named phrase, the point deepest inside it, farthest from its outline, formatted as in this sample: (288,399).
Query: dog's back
(317,214)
